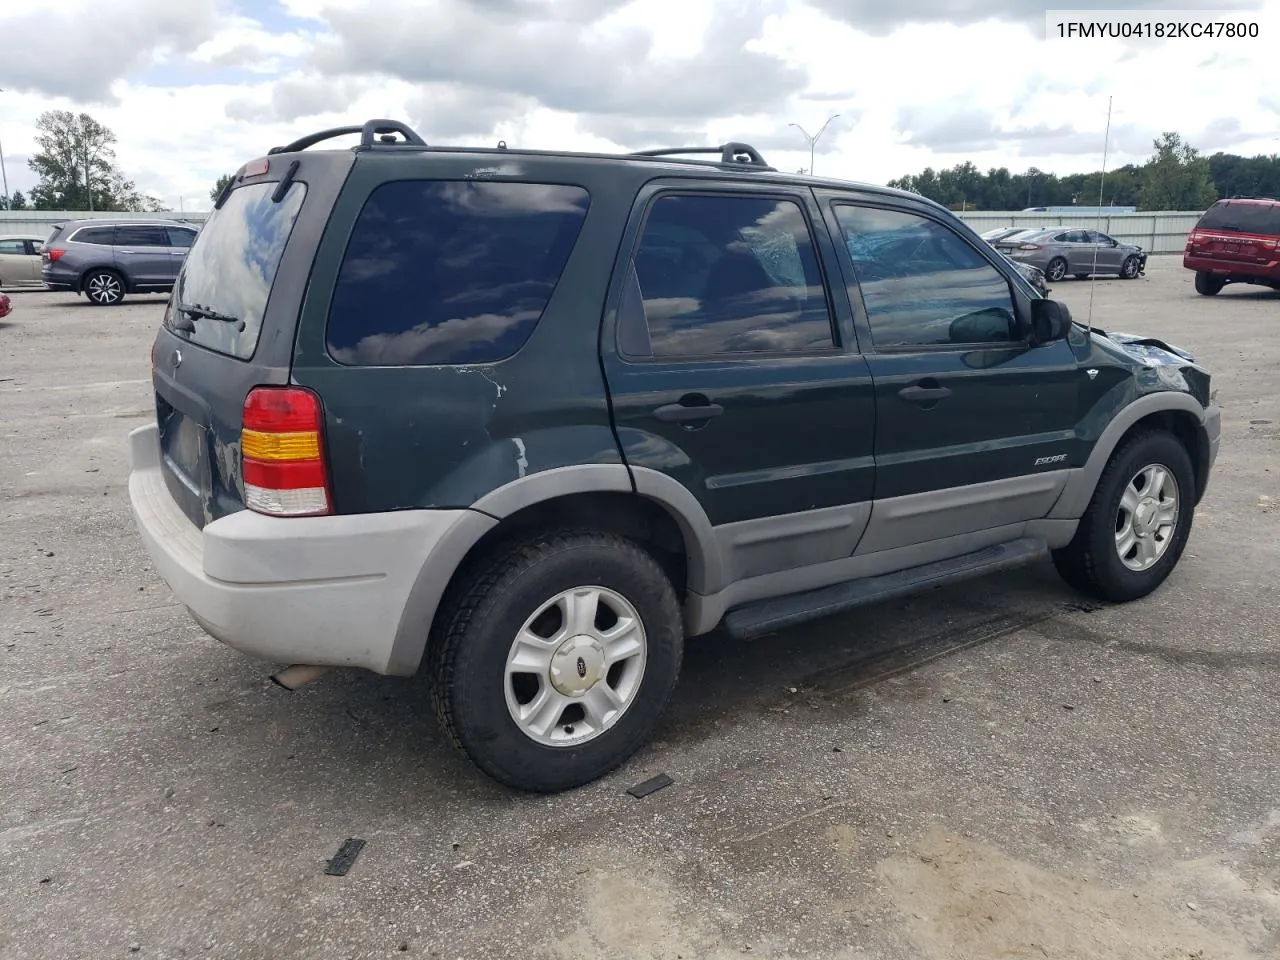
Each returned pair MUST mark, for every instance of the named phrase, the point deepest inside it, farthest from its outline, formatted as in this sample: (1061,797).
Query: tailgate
(231,319)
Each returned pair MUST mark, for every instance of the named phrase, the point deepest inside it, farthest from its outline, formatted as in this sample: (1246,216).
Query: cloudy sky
(194,88)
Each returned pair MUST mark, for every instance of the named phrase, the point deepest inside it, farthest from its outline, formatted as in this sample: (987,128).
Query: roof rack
(373,133)
(393,133)
(733,152)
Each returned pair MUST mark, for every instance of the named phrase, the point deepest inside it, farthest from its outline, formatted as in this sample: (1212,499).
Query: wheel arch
(109,268)
(657,512)
(1176,413)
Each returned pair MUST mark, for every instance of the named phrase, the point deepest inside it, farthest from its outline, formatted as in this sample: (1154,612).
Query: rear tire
(1207,284)
(1055,270)
(601,698)
(104,288)
(1135,528)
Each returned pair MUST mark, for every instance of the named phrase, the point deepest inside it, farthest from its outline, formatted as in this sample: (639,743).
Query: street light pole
(88,174)
(813,140)
(4,176)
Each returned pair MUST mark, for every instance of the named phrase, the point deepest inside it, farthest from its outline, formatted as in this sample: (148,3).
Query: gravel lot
(993,770)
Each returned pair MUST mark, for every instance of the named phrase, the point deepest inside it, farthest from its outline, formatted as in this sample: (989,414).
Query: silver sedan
(1059,251)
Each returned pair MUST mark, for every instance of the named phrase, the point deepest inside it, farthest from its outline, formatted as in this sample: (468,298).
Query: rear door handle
(684,413)
(919,394)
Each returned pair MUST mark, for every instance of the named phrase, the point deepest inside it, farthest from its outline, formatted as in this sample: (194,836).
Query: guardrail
(1156,232)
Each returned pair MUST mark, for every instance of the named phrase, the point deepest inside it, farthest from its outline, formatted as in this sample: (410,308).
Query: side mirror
(1050,321)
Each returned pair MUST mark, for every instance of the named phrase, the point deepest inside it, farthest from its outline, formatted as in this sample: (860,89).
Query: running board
(768,616)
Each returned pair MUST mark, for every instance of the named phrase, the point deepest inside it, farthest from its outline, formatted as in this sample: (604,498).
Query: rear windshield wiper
(207,313)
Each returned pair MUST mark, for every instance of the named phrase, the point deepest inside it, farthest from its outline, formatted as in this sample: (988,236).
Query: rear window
(440,272)
(230,269)
(1263,218)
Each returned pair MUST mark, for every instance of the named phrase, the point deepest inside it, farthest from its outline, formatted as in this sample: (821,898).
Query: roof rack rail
(742,154)
(373,133)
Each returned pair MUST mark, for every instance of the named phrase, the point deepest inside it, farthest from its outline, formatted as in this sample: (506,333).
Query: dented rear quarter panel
(408,437)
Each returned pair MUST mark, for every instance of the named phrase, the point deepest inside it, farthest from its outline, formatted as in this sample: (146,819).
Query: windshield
(221,294)
(1263,218)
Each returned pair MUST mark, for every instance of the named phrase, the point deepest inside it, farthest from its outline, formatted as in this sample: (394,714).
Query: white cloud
(211,83)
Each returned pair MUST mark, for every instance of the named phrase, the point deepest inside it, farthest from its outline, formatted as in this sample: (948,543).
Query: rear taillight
(282,449)
(54,255)
(1028,246)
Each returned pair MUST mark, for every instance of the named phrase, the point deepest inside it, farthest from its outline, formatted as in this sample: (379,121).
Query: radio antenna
(1093,276)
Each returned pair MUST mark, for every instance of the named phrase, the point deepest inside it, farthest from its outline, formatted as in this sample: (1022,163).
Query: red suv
(1236,241)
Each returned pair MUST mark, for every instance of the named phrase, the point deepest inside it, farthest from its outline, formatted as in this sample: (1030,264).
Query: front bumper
(1213,428)
(328,591)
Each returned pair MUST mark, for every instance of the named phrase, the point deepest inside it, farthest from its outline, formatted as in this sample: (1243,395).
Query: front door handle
(687,412)
(918,394)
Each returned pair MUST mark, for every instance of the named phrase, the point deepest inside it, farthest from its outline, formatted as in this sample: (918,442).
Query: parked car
(525,420)
(106,259)
(1059,251)
(1002,233)
(20,261)
(6,305)
(1235,241)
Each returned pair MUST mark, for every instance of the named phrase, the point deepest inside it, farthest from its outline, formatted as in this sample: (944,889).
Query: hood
(1148,348)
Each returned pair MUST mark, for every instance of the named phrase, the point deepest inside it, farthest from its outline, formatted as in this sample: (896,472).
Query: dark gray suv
(105,259)
(525,420)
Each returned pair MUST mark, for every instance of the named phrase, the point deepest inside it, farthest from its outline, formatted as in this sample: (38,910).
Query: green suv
(526,420)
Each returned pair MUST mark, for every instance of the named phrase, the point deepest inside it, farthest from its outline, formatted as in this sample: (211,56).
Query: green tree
(1176,177)
(16,202)
(228,177)
(76,164)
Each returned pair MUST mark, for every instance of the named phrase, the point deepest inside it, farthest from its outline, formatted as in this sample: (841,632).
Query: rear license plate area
(182,444)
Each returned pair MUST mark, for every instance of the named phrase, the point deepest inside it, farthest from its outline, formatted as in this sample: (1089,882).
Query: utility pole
(813,140)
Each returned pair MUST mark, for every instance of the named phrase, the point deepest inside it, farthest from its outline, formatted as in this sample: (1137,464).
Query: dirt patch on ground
(964,900)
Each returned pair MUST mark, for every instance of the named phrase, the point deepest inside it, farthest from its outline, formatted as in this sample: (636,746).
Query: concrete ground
(997,770)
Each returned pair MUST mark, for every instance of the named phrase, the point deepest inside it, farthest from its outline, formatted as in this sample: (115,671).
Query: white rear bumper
(314,590)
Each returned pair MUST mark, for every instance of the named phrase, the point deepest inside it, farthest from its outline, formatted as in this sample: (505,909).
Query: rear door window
(132,235)
(725,275)
(447,272)
(227,276)
(179,237)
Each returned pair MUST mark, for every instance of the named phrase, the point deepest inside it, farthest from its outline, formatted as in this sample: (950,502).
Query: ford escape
(526,420)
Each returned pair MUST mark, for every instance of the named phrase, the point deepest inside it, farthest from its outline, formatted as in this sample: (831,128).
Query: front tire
(1137,524)
(1129,269)
(1056,270)
(1207,284)
(104,288)
(555,663)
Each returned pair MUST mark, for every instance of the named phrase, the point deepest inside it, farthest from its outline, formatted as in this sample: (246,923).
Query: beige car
(20,261)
